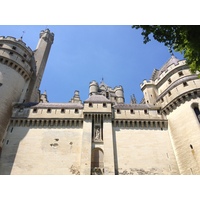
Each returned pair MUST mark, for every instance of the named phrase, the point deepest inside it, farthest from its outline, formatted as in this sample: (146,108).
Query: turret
(150,91)
(41,55)
(16,68)
(43,97)
(119,92)
(93,88)
(76,97)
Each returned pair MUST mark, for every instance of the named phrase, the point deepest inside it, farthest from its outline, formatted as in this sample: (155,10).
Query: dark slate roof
(49,105)
(97,99)
(134,106)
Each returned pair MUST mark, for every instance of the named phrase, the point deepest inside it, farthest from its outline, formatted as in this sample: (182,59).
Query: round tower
(16,68)
(178,96)
(93,88)
(119,92)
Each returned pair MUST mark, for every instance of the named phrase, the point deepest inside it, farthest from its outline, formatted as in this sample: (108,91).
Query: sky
(82,53)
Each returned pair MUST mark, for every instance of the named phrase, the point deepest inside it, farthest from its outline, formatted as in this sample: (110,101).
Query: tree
(182,38)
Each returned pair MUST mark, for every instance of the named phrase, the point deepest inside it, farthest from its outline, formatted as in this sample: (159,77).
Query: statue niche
(97,137)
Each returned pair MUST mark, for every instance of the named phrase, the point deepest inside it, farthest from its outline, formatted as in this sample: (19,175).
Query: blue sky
(84,53)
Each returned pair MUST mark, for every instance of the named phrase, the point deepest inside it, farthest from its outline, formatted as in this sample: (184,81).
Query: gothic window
(169,80)
(169,93)
(14,48)
(145,111)
(118,111)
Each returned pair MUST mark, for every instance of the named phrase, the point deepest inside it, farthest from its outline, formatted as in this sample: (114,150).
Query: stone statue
(97,134)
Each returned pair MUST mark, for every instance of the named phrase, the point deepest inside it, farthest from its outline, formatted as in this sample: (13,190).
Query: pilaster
(85,164)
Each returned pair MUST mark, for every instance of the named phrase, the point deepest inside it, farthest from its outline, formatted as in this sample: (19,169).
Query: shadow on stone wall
(9,151)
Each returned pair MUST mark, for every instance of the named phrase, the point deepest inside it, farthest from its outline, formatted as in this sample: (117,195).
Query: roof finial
(22,34)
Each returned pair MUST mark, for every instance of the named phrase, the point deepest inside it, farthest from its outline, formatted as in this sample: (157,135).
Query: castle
(102,134)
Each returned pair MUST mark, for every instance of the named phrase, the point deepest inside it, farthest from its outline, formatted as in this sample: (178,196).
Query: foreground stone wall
(184,129)
(140,151)
(41,151)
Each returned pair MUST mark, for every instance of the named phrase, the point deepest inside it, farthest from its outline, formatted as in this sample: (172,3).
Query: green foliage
(182,38)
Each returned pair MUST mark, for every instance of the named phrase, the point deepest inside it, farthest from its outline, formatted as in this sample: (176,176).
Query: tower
(21,70)
(178,97)
(40,55)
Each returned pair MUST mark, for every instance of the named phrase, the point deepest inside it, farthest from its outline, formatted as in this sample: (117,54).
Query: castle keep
(102,134)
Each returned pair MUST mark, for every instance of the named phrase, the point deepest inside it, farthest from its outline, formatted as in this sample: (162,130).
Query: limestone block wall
(184,129)
(13,85)
(180,89)
(37,150)
(143,151)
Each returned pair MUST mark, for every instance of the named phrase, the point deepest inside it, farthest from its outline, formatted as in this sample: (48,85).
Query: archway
(97,165)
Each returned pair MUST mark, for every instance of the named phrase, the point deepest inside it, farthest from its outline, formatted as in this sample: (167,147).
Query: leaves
(182,38)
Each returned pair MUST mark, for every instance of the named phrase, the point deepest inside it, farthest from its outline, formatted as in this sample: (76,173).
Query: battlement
(118,88)
(48,110)
(47,35)
(169,69)
(145,82)
(7,39)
